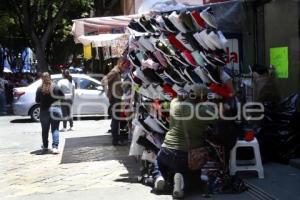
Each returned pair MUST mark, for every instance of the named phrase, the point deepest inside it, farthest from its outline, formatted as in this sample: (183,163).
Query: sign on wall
(279,58)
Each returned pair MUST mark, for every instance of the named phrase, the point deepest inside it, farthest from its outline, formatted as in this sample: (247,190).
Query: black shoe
(136,26)
(134,59)
(213,73)
(160,46)
(146,24)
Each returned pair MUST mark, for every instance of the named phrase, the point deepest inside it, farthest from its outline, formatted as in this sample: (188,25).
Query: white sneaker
(204,36)
(200,41)
(214,39)
(178,186)
(159,184)
(55,151)
(174,18)
(208,18)
(70,129)
(202,75)
(63,130)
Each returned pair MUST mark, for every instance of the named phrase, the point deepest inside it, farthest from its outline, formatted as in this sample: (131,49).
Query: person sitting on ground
(187,131)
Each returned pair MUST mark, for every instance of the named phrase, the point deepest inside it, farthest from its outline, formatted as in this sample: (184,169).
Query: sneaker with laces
(209,18)
(134,25)
(152,76)
(173,75)
(178,190)
(133,59)
(149,63)
(188,58)
(208,61)
(201,73)
(198,58)
(187,21)
(204,36)
(160,58)
(190,73)
(198,20)
(200,41)
(168,24)
(215,40)
(145,42)
(175,42)
(213,73)
(161,23)
(174,18)
(222,39)
(145,23)
(160,46)
(140,75)
(184,41)
(44,150)
(159,184)
(55,150)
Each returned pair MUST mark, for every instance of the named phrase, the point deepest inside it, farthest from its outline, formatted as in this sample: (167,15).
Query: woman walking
(67,86)
(47,94)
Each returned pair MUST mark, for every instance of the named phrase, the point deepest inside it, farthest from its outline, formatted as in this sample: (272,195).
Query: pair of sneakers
(178,188)
(65,129)
(45,150)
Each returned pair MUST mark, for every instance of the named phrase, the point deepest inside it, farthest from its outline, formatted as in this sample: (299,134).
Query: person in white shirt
(67,86)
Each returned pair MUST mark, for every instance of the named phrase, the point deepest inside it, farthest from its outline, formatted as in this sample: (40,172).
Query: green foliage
(41,13)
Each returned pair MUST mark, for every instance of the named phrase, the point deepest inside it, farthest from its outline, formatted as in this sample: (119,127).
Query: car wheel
(35,113)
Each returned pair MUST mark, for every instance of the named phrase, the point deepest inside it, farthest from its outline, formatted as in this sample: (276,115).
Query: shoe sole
(159,185)
(178,193)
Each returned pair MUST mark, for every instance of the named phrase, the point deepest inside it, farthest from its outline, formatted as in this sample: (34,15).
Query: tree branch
(54,22)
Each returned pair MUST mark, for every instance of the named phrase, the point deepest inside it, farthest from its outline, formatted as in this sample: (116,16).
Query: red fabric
(198,19)
(189,57)
(221,90)
(176,43)
(168,89)
(249,136)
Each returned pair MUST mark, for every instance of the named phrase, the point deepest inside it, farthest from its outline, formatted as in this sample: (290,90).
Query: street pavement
(88,166)
(83,170)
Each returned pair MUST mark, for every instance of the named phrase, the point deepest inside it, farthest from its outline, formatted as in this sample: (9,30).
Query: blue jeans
(2,103)
(47,122)
(170,161)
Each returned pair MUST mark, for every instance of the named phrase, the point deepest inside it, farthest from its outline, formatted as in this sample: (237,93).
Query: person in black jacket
(46,95)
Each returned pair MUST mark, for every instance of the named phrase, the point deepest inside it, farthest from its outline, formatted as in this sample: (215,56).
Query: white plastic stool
(252,166)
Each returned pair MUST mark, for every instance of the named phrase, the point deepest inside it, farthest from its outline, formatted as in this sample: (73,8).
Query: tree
(39,20)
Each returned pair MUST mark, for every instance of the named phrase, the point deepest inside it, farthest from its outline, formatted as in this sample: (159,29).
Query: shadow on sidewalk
(99,148)
(40,152)
(22,121)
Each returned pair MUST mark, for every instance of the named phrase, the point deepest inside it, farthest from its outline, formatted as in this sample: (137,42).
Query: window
(87,84)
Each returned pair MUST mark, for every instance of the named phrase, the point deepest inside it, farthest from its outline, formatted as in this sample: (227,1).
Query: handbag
(197,157)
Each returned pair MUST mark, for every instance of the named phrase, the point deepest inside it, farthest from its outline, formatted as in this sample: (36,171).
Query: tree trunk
(42,65)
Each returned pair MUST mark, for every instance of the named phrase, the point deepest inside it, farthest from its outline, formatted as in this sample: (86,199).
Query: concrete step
(295,163)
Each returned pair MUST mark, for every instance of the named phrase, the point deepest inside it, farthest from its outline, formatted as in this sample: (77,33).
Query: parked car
(89,99)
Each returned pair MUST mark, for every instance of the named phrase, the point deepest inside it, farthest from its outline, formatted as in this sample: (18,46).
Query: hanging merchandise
(170,52)
(87,51)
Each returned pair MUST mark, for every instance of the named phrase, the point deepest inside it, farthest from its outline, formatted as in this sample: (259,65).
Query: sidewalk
(89,168)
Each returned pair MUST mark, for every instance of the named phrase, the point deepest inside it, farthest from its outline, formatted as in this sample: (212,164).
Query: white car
(89,99)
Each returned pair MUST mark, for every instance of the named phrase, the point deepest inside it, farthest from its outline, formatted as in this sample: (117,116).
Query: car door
(90,98)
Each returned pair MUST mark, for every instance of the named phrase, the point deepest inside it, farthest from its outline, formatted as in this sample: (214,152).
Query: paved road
(88,167)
